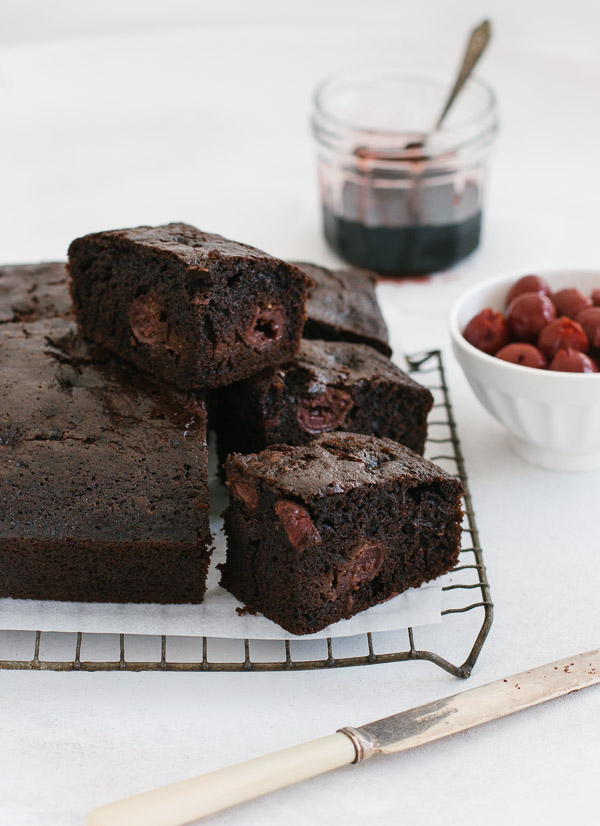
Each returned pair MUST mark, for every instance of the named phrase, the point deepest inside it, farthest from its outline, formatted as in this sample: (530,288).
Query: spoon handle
(480,37)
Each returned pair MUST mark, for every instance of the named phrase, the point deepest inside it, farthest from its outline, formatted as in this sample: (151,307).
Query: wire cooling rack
(466,607)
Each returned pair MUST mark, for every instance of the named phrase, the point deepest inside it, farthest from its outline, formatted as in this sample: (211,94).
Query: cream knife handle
(189,800)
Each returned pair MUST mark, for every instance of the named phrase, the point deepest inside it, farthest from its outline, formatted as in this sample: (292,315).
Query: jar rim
(480,116)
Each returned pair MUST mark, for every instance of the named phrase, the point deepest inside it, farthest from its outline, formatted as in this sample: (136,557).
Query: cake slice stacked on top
(189,306)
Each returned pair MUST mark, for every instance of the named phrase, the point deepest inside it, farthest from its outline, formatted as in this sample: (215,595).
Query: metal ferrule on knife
(463,711)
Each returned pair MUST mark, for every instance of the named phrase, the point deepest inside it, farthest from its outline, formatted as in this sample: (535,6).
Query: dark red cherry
(524,354)
(529,313)
(363,566)
(596,298)
(561,334)
(301,530)
(245,490)
(266,328)
(528,284)
(487,331)
(572,361)
(324,411)
(570,301)
(590,321)
(145,315)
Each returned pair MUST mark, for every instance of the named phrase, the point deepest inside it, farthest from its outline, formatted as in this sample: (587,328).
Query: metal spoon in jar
(480,37)
(478,40)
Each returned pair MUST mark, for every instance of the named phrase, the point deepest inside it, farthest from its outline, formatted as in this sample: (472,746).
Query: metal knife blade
(463,711)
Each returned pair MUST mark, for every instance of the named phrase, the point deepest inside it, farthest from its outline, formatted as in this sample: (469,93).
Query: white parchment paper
(216,616)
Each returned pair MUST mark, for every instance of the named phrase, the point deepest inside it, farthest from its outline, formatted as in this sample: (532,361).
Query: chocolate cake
(327,386)
(319,532)
(29,292)
(103,476)
(188,306)
(342,306)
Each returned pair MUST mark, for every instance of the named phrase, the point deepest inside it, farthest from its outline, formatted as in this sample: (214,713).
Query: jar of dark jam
(397,197)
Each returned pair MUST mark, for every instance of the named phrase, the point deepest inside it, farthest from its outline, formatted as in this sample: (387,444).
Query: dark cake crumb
(342,306)
(318,532)
(29,292)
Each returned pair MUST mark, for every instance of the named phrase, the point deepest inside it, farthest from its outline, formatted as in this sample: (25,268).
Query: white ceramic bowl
(553,418)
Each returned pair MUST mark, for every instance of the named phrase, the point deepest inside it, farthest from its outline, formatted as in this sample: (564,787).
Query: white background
(117,114)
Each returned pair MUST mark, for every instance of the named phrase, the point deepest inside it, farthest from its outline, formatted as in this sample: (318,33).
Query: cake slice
(103,476)
(29,292)
(342,306)
(188,306)
(318,532)
(327,386)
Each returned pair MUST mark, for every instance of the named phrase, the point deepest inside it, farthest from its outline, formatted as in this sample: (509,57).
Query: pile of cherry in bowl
(539,328)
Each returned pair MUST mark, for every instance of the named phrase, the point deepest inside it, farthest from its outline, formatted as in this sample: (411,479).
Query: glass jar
(397,197)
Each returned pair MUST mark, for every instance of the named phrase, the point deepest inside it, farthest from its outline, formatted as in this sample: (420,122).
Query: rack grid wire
(467,578)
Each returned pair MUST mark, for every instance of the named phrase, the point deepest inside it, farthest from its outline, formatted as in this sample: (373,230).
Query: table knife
(189,800)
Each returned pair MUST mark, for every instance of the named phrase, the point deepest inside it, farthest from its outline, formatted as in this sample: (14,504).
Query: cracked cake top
(88,448)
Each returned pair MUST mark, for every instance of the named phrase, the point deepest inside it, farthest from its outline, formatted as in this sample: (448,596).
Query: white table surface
(209,125)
